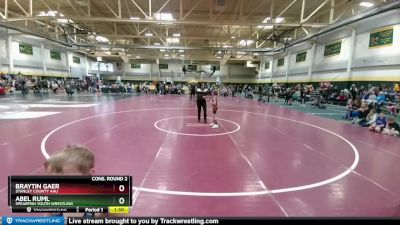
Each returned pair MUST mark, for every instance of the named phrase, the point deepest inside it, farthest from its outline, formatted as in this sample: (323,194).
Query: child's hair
(77,155)
(391,119)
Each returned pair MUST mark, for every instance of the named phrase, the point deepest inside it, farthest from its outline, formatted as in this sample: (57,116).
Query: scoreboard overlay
(70,193)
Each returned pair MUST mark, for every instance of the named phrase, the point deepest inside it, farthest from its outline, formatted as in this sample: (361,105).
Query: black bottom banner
(211,221)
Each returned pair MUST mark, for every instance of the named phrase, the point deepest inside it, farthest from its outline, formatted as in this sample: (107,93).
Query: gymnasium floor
(264,160)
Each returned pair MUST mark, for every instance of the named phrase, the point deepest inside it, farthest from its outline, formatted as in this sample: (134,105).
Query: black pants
(202,103)
(192,95)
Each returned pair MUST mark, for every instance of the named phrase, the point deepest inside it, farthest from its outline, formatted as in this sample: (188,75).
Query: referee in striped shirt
(201,102)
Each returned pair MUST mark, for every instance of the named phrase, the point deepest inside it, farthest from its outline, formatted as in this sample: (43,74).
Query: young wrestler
(214,103)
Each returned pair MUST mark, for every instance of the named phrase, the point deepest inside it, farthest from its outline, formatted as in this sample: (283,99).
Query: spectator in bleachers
(302,96)
(396,88)
(379,124)
(380,99)
(288,96)
(371,98)
(353,92)
(392,128)
(360,113)
(341,98)
(233,91)
(394,108)
(369,119)
(352,106)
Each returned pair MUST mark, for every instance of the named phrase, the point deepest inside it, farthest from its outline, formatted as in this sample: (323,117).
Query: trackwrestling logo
(32,220)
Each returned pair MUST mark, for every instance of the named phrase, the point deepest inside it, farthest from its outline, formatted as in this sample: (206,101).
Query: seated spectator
(341,97)
(360,113)
(380,99)
(2,89)
(393,108)
(392,128)
(380,123)
(54,87)
(352,107)
(396,88)
(369,119)
(371,98)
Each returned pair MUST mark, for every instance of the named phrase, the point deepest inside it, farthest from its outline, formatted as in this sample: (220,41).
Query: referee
(201,102)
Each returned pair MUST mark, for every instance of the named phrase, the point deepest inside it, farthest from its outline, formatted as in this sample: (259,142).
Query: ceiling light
(157,43)
(227,46)
(176,35)
(164,16)
(218,57)
(173,40)
(134,18)
(138,56)
(182,55)
(181,50)
(148,34)
(219,52)
(366,4)
(246,42)
(49,13)
(233,37)
(99,59)
(265,27)
(102,39)
(279,19)
(266,19)
(166,55)
(63,21)
(162,50)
